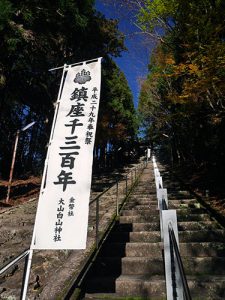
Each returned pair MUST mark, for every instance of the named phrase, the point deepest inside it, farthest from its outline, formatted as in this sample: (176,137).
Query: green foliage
(39,35)
(117,116)
(36,36)
(157,14)
(182,102)
(5,13)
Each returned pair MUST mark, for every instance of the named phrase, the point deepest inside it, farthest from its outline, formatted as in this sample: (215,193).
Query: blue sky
(134,62)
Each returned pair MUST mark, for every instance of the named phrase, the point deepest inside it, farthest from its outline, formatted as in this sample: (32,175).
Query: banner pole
(53,127)
(29,262)
(27,275)
(12,167)
(78,63)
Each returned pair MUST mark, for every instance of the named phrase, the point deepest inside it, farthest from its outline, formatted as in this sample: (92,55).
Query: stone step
(210,288)
(146,183)
(178,194)
(144,189)
(106,267)
(136,212)
(113,266)
(204,266)
(217,235)
(179,191)
(150,211)
(130,263)
(202,249)
(140,207)
(138,219)
(133,249)
(100,284)
(154,266)
(135,203)
(144,249)
(142,200)
(143,186)
(193,217)
(136,227)
(207,287)
(154,205)
(191,211)
(190,200)
(114,296)
(177,204)
(155,218)
(141,286)
(198,225)
(142,236)
(127,286)
(142,194)
(154,226)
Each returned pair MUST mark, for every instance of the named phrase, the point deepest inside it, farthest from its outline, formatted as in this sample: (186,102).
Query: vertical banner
(62,213)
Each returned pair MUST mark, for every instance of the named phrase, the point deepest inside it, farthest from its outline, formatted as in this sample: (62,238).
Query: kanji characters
(65,178)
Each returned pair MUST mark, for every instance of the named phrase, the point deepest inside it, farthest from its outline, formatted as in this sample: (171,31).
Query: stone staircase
(130,264)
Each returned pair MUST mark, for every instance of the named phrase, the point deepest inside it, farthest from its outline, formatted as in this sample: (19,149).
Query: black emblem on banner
(82,77)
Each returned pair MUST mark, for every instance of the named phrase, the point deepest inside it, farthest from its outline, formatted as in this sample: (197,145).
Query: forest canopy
(36,36)
(182,101)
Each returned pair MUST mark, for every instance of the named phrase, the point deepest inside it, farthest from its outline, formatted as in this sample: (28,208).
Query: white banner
(62,214)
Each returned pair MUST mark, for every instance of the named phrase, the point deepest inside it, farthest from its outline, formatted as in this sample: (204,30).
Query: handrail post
(162,194)
(173,280)
(25,282)
(117,197)
(97,222)
(126,184)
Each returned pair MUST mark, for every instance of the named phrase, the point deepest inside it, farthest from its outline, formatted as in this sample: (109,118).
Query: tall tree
(35,36)
(186,80)
(117,116)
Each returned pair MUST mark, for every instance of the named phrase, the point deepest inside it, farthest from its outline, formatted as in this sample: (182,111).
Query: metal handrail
(164,204)
(116,183)
(186,290)
(111,186)
(175,249)
(14,261)
(106,190)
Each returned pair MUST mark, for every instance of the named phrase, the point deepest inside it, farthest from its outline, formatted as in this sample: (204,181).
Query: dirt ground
(205,184)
